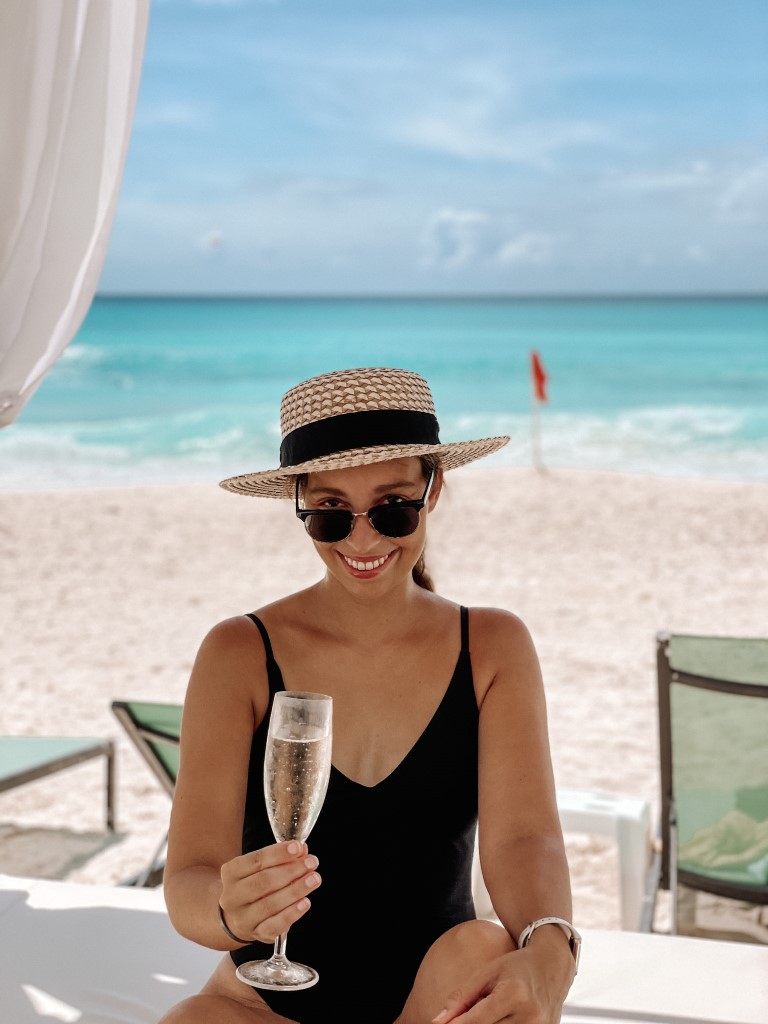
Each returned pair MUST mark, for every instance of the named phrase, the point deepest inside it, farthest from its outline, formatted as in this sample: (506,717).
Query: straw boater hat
(351,418)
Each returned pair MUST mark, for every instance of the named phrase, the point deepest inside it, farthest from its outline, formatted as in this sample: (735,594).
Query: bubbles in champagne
(296,771)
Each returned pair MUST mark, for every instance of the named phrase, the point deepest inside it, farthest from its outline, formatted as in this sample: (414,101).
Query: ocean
(187,390)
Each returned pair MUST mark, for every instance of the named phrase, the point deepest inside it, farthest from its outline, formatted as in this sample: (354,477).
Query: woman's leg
(224,1000)
(450,960)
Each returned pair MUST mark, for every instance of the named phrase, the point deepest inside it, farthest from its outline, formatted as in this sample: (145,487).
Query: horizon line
(438,296)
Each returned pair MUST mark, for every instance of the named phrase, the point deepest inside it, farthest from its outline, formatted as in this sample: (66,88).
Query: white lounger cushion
(100,955)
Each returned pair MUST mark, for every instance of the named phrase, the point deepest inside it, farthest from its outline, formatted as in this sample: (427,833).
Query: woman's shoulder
(240,630)
(500,643)
(229,636)
(492,625)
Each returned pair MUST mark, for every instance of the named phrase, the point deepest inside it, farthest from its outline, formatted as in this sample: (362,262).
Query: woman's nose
(363,536)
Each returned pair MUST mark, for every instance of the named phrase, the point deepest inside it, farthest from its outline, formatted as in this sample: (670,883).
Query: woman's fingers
(274,881)
(274,903)
(279,922)
(472,1001)
(503,990)
(269,917)
(253,876)
(269,856)
(457,1004)
(266,891)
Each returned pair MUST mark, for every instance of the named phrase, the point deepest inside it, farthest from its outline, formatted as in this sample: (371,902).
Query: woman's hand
(527,986)
(265,892)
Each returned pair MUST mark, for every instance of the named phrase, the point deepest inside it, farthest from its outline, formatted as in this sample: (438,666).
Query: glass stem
(280,944)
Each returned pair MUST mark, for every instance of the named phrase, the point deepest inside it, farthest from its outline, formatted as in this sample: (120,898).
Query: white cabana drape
(69,77)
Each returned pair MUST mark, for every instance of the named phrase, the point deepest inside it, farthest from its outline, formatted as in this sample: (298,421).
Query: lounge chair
(155,730)
(713,733)
(24,759)
(97,953)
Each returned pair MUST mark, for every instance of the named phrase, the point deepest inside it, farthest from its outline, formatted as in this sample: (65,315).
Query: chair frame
(668,874)
(93,748)
(142,736)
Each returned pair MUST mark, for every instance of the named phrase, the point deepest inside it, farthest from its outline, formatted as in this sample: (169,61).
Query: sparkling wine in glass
(297,765)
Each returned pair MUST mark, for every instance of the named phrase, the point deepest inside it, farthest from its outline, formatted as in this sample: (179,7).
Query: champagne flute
(297,766)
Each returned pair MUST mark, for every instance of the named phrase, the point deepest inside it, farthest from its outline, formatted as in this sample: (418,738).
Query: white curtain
(69,76)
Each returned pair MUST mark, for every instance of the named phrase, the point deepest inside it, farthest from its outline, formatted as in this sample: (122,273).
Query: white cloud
(480,111)
(697,175)
(462,134)
(174,113)
(531,247)
(236,3)
(425,91)
(312,187)
(454,238)
(745,198)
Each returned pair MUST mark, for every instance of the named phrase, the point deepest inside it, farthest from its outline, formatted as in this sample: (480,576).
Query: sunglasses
(328,525)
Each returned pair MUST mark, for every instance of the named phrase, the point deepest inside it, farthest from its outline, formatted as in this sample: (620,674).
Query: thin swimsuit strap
(264,635)
(464,630)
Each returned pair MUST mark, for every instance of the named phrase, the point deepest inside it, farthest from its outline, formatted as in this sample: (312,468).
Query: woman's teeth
(365,566)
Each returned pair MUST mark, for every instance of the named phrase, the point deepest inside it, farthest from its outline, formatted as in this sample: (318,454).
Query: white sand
(107,594)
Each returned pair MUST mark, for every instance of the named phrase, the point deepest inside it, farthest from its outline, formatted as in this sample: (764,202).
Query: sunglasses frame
(304,513)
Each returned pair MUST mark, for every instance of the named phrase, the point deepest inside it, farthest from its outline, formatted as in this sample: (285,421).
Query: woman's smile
(367,566)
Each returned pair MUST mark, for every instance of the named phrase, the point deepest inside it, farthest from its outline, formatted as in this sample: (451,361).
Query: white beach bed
(96,955)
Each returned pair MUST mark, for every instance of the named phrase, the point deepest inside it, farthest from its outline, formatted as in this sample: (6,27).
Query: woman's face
(367,559)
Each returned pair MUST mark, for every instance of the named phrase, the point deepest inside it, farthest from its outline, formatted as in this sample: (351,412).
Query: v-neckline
(411,749)
(415,743)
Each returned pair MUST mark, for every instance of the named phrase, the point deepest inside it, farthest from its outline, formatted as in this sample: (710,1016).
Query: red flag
(539,377)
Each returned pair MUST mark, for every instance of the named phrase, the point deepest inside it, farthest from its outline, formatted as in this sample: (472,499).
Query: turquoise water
(188,389)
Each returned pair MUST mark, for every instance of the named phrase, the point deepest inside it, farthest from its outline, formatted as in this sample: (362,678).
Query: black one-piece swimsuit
(396,862)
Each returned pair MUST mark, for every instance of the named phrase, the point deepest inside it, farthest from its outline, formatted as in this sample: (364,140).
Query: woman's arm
(521,844)
(264,892)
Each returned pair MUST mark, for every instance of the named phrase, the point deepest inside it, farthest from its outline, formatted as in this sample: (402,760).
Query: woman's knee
(472,943)
(190,1011)
(207,1009)
(451,960)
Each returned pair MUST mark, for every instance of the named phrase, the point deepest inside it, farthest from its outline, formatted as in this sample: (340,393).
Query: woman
(438,714)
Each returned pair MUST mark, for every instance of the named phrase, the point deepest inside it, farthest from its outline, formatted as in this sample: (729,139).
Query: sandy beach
(107,594)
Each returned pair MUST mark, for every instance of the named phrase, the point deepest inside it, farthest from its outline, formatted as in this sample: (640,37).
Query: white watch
(574,939)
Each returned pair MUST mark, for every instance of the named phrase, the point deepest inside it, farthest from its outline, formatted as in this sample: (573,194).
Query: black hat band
(357,430)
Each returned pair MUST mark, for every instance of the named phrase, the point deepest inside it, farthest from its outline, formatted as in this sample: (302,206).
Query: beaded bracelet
(235,938)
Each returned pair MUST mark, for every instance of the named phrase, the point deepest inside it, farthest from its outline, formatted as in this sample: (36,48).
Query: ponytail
(421,575)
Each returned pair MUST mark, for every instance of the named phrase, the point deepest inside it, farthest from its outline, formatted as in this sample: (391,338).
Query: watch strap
(574,938)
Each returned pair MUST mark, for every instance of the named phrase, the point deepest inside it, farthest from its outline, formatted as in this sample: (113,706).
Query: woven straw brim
(281,483)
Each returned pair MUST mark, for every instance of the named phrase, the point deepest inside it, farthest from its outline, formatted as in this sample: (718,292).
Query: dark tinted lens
(329,528)
(394,520)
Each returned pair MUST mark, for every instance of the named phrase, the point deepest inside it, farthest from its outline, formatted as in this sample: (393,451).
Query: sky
(521,147)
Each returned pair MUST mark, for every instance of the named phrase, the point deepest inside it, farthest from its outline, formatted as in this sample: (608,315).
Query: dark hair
(420,573)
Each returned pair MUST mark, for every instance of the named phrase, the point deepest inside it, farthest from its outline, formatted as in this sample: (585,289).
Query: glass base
(277,973)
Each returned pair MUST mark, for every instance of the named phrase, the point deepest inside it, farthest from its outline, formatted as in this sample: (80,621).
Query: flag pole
(536,435)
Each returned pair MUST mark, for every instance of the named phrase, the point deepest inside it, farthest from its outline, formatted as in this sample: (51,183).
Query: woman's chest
(382,707)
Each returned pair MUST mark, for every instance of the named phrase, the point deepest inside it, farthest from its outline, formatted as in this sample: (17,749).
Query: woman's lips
(366,566)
